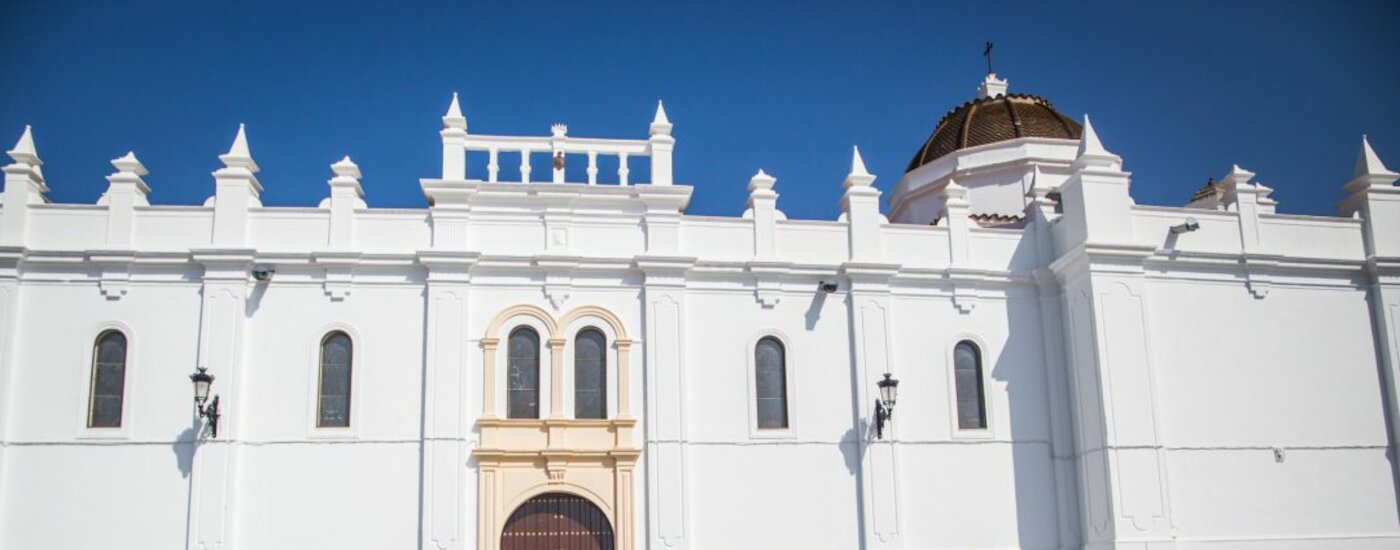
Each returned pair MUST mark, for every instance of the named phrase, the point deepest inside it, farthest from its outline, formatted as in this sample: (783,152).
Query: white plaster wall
(64,483)
(1241,376)
(1236,376)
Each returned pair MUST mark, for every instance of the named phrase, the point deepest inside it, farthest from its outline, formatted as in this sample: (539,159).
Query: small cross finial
(987,53)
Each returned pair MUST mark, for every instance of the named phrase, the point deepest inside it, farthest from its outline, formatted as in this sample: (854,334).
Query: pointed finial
(954,190)
(660,117)
(1091,151)
(454,118)
(1089,140)
(761,180)
(128,164)
(24,151)
(857,163)
(660,124)
(1368,163)
(858,177)
(346,168)
(238,155)
(1237,175)
(1039,188)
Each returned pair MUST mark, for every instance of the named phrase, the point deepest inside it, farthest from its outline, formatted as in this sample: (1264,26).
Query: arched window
(770,364)
(108,380)
(333,410)
(523,374)
(590,374)
(967,370)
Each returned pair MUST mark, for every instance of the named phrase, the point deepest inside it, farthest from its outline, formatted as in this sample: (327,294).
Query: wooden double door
(557,521)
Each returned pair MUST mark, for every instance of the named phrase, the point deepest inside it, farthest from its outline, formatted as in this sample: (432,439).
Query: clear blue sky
(1181,90)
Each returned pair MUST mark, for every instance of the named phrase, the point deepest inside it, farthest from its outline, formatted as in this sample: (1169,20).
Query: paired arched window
(337,358)
(590,374)
(770,384)
(967,374)
(108,380)
(523,374)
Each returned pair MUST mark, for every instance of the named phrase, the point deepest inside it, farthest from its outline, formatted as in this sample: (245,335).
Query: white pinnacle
(660,114)
(240,144)
(1368,163)
(24,151)
(455,109)
(129,164)
(346,168)
(660,124)
(857,163)
(1089,140)
(454,118)
(238,155)
(859,176)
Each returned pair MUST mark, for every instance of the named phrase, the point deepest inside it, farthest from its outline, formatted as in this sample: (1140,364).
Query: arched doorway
(554,521)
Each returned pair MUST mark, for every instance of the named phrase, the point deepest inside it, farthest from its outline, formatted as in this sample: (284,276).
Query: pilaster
(11,259)
(870,310)
(223,314)
(1373,197)
(447,489)
(664,301)
(1124,500)
(1039,211)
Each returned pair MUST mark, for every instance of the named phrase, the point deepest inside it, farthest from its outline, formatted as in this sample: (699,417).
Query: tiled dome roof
(993,119)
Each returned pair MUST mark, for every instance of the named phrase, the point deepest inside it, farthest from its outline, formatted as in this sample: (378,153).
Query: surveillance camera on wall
(826,287)
(263,274)
(1186,227)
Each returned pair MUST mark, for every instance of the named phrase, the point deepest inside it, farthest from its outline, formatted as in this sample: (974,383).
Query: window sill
(103,434)
(772,433)
(973,433)
(328,433)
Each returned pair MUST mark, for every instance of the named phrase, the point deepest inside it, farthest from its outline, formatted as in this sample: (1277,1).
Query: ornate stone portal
(519,459)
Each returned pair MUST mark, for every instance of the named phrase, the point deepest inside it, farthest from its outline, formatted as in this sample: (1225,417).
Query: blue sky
(1181,90)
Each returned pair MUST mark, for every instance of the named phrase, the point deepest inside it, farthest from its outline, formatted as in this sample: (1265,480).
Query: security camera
(1186,227)
(826,287)
(263,274)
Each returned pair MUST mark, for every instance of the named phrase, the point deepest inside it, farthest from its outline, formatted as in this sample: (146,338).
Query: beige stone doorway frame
(519,459)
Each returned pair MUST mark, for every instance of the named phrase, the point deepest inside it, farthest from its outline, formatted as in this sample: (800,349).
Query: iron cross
(987,53)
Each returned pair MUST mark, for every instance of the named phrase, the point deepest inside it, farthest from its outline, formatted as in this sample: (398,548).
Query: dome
(986,120)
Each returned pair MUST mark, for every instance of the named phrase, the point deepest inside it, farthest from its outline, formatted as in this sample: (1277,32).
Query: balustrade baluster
(492,168)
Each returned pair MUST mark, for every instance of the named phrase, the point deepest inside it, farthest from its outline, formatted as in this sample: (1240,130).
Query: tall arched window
(523,374)
(770,365)
(590,374)
(967,370)
(333,410)
(108,380)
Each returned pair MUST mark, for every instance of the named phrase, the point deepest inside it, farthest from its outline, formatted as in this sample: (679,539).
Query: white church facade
(1007,353)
